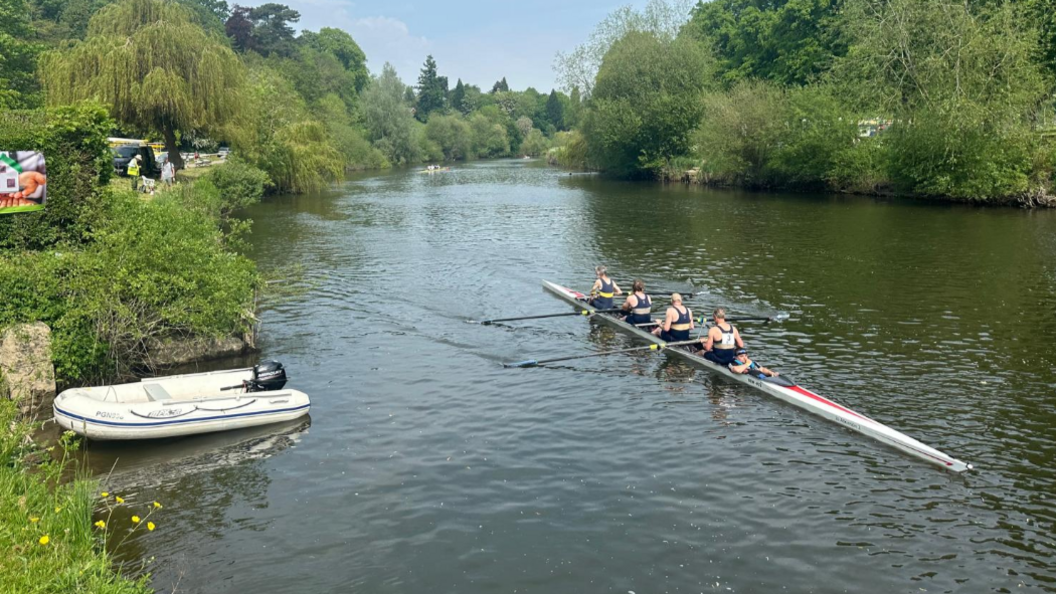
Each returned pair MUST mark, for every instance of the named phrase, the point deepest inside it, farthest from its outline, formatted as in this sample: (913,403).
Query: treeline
(302,107)
(917,97)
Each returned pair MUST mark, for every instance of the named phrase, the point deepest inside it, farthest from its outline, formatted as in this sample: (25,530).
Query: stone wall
(28,376)
(174,351)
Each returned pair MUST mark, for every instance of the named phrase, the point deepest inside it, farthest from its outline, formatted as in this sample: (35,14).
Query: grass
(48,542)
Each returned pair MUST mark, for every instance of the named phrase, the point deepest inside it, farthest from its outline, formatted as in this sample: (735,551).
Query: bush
(741,131)
(239,183)
(940,155)
(73,140)
(534,143)
(452,134)
(155,269)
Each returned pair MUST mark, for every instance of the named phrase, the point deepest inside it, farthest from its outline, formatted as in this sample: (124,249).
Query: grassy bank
(110,274)
(48,542)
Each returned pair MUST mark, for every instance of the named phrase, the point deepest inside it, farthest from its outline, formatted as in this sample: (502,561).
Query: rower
(722,341)
(604,289)
(678,321)
(638,305)
(742,364)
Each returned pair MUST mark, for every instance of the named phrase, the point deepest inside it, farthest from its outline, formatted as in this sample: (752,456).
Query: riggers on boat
(780,387)
(182,404)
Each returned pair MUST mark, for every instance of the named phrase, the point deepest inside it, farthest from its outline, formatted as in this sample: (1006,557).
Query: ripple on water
(429,467)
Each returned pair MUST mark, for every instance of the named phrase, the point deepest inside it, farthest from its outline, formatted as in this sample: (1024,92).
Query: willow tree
(154,66)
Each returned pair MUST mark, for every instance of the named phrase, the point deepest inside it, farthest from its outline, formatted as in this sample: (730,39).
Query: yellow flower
(100,524)
(135,519)
(150,526)
(157,505)
(118,499)
(104,494)
(44,540)
(58,509)
(34,519)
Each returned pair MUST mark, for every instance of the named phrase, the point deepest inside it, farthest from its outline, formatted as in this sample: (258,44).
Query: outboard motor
(267,376)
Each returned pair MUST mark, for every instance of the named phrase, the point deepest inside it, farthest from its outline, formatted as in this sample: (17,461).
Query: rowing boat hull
(794,395)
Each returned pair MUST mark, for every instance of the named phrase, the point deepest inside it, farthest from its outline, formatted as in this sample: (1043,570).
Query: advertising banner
(23,181)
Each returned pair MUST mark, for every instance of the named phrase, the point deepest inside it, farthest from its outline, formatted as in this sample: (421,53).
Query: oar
(583,312)
(652,347)
(778,317)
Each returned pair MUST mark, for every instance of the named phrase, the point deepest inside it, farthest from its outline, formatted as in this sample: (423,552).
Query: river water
(428,467)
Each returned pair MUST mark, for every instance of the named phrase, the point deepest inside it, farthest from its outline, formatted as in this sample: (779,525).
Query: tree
(961,86)
(341,45)
(153,67)
(272,31)
(500,87)
(787,41)
(265,29)
(388,119)
(575,107)
(458,97)
(646,102)
(578,68)
(240,29)
(524,125)
(432,90)
(555,110)
(18,56)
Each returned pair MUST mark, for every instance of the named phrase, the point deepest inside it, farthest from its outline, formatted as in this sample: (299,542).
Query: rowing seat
(156,392)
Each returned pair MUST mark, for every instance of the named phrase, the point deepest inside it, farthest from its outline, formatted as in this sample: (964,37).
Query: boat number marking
(165,413)
(108,415)
(849,423)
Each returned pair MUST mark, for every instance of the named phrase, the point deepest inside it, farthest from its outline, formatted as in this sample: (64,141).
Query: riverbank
(48,542)
(1037,198)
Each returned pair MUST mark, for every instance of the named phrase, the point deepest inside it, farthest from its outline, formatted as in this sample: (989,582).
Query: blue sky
(475,40)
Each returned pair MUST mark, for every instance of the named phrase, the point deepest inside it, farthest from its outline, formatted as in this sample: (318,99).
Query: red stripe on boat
(823,400)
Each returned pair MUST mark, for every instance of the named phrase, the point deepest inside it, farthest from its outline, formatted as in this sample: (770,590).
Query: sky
(476,40)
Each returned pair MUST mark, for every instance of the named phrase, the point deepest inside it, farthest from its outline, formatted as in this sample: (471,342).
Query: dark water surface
(427,467)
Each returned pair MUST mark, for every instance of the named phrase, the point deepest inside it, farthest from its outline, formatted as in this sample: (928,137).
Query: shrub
(239,183)
(73,140)
(155,269)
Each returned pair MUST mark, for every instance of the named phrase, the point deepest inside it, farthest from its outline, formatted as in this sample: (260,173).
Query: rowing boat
(780,387)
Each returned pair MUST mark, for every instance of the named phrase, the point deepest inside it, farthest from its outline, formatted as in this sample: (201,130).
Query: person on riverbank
(742,364)
(678,321)
(722,341)
(604,290)
(638,305)
(133,171)
(168,173)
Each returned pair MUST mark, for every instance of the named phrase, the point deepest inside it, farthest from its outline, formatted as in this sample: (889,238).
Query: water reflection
(430,467)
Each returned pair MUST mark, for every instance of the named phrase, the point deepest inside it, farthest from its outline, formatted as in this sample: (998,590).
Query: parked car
(224,152)
(123,154)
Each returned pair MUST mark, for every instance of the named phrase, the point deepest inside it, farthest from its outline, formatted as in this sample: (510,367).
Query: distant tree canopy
(787,41)
(341,45)
(646,102)
(17,55)
(153,66)
(432,90)
(266,29)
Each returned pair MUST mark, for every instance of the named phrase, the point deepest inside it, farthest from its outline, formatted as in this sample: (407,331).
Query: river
(428,467)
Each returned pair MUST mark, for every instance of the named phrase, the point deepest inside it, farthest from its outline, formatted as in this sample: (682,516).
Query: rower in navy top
(722,340)
(677,323)
(638,305)
(604,290)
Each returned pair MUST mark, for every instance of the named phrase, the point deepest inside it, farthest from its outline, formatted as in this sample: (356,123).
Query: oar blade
(530,363)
